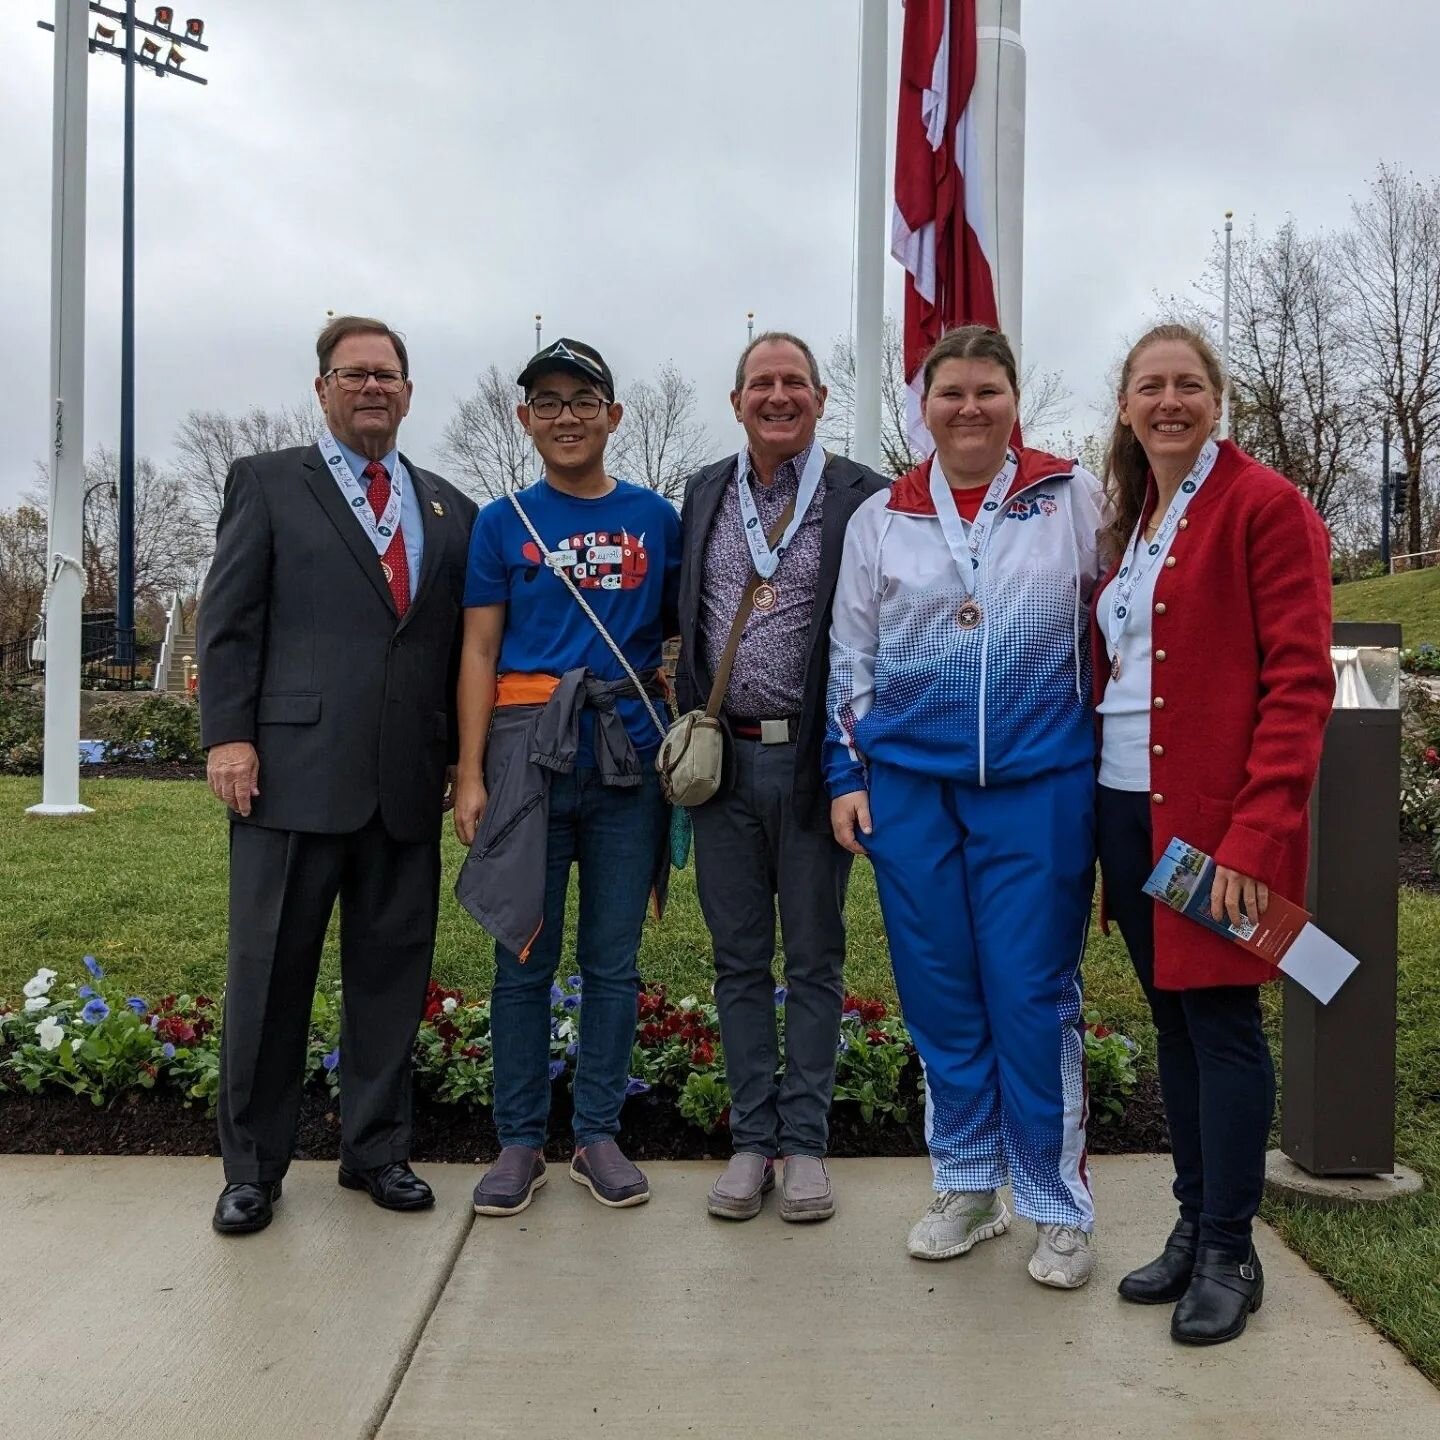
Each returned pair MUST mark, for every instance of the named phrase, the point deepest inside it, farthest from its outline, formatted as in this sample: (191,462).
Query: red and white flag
(940,232)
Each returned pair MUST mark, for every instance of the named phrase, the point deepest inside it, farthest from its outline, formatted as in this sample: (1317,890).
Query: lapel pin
(437,507)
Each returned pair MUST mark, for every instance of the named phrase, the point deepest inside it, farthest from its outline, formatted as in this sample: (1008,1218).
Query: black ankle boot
(1223,1294)
(1166,1278)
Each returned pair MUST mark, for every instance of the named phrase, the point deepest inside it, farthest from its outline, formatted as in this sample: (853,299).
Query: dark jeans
(749,849)
(614,834)
(1216,1073)
(283,888)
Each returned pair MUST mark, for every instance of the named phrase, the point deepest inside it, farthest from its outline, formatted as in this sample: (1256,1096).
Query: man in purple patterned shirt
(766,835)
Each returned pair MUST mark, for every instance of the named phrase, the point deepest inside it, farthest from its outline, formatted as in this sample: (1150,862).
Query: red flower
(877,1037)
(703,1053)
(1101,1031)
(448,1031)
(1432,756)
(651,1034)
(176,1029)
(872,1010)
(473,1052)
(203,1002)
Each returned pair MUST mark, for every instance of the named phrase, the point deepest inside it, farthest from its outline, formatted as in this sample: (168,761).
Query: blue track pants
(986,896)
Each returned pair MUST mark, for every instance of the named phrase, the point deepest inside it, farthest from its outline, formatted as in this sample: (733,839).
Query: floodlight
(149,50)
(164,16)
(194,30)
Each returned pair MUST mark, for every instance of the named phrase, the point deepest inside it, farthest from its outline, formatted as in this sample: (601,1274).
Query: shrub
(159,727)
(22,730)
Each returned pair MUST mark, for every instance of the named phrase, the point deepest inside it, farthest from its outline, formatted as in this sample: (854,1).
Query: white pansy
(76,1044)
(43,974)
(450,1003)
(689,1003)
(36,1003)
(566,1029)
(49,1032)
(37,985)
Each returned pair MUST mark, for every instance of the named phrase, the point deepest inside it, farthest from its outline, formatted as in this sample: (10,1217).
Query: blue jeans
(615,835)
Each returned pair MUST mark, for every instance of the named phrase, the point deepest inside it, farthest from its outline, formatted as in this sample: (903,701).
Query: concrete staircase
(176,671)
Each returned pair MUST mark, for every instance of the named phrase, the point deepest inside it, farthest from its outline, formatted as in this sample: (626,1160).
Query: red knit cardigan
(1241,689)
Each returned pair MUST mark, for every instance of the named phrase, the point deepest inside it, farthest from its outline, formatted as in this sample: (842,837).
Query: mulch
(143,770)
(161,1123)
(1416,870)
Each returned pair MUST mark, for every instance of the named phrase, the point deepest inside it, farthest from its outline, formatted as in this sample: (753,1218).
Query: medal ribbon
(766,560)
(381,531)
(1141,558)
(969,552)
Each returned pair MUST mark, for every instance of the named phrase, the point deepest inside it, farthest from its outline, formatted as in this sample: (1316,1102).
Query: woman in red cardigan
(1213,684)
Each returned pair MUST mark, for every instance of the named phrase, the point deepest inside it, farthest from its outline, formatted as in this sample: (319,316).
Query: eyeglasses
(392,382)
(582,407)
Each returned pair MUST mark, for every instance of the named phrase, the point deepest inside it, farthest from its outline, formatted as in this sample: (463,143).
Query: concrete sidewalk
(126,1316)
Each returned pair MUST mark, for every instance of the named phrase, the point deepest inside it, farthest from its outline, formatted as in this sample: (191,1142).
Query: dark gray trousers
(283,888)
(748,851)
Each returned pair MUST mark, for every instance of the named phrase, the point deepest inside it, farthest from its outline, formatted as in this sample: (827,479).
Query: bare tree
(484,444)
(1044,400)
(22,569)
(897,454)
(171,543)
(1392,270)
(660,442)
(1296,402)
(208,442)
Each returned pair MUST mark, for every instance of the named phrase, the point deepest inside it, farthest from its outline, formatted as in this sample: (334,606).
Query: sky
(642,174)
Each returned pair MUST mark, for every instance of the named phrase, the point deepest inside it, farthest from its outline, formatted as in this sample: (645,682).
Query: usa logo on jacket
(1027,507)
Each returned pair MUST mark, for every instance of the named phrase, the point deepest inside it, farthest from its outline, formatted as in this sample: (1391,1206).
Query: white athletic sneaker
(957,1221)
(1063,1257)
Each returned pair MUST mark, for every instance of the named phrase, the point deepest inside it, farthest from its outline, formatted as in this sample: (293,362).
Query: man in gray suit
(767,833)
(328,642)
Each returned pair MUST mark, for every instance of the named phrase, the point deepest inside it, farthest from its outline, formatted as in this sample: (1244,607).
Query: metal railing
(162,662)
(1399,563)
(99,670)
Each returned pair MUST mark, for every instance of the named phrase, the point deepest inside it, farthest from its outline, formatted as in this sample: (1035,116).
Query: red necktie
(393,562)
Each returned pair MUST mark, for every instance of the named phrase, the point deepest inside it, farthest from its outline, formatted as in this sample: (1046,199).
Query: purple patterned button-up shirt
(768,678)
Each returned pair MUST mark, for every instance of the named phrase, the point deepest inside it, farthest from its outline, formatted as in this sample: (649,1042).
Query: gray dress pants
(749,850)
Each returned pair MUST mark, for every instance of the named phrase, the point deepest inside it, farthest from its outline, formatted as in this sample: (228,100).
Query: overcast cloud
(643,173)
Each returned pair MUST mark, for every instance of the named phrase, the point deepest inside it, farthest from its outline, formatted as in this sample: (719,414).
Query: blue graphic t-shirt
(622,550)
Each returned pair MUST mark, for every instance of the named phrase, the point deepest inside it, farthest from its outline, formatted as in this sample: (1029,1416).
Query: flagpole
(65,575)
(999,99)
(870,231)
(1225,337)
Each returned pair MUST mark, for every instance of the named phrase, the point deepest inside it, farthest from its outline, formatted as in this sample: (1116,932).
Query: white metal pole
(66,573)
(871,231)
(1225,337)
(999,105)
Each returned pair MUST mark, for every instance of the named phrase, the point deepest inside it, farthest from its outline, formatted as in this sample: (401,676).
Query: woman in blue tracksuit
(960,758)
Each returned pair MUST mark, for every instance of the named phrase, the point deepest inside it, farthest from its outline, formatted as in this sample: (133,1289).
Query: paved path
(125,1316)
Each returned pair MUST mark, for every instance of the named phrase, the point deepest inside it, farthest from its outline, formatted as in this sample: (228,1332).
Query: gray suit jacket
(301,651)
(846,486)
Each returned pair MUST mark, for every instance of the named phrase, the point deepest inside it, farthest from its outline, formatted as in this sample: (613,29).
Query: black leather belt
(768,732)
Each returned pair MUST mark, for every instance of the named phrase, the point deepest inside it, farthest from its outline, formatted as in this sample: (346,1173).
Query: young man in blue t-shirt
(557,766)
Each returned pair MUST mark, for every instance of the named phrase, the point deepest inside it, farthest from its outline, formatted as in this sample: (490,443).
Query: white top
(1125,735)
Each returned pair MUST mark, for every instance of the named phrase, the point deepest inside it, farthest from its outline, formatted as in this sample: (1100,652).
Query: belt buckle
(774,732)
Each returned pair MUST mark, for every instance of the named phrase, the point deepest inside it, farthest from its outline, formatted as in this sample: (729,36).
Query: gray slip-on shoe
(805,1189)
(741,1188)
(603,1169)
(509,1185)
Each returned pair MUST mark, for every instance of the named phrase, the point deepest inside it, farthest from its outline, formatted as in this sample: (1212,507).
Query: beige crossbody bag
(692,755)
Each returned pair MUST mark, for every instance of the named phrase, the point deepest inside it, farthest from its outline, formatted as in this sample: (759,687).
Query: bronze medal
(969,615)
(1115,666)
(387,572)
(766,597)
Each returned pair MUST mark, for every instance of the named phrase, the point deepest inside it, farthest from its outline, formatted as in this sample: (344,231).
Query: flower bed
(157,1068)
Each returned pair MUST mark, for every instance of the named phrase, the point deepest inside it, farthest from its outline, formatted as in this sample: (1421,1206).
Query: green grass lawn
(1411,600)
(141,885)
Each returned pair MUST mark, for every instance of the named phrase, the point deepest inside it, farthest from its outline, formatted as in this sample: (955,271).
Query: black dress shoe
(1166,1278)
(395,1186)
(1223,1294)
(246,1207)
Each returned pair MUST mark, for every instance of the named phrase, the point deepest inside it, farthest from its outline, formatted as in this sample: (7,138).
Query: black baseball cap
(575,357)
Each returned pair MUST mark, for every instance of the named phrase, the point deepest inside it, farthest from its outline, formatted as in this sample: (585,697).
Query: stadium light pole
(148,54)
